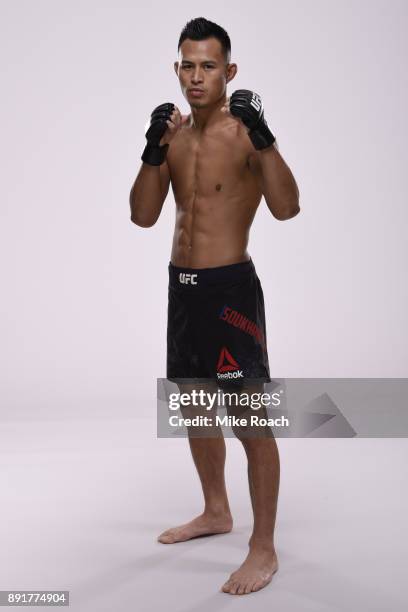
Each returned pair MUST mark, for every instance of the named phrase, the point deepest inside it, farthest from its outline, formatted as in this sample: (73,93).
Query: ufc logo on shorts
(188,278)
(256,101)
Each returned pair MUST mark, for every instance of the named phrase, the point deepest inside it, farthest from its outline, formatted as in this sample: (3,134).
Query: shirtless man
(220,159)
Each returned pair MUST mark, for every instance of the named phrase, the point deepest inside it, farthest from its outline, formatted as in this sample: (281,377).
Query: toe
(241,589)
(227,585)
(166,538)
(248,588)
(259,584)
(234,588)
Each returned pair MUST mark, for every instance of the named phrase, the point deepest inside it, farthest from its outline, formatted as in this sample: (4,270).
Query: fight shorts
(216,325)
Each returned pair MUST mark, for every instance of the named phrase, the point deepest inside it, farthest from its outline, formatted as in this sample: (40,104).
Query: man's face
(202,71)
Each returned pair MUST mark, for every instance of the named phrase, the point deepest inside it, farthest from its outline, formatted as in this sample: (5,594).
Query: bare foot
(202,525)
(254,574)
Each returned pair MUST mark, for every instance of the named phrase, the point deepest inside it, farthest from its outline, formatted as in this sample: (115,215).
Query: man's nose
(197,76)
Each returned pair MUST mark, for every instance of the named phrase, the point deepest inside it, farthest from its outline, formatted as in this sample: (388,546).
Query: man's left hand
(247,106)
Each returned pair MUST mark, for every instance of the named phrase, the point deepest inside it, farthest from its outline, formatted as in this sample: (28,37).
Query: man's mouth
(196,92)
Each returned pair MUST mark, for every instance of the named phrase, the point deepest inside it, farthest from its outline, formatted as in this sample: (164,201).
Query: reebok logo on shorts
(188,278)
(227,367)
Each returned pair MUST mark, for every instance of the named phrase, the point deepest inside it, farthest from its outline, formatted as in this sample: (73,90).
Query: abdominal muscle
(207,238)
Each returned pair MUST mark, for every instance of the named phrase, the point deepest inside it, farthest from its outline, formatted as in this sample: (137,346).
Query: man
(220,159)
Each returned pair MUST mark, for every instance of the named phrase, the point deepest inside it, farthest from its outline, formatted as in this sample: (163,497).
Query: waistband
(201,277)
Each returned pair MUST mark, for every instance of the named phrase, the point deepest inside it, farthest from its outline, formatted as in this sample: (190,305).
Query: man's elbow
(141,216)
(288,211)
(142,221)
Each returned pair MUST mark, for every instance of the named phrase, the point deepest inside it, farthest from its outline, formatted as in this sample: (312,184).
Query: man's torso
(216,183)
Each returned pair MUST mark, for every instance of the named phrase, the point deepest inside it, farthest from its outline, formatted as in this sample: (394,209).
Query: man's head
(204,62)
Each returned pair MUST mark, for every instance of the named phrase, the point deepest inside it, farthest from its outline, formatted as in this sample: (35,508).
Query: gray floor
(83,501)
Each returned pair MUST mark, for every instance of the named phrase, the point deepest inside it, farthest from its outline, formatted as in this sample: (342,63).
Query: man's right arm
(152,183)
(148,194)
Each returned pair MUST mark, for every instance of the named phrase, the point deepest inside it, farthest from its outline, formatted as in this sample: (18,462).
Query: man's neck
(209,116)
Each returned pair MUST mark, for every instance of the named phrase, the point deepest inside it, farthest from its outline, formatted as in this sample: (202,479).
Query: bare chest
(210,164)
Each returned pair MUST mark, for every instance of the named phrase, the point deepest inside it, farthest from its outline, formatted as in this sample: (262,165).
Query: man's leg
(209,458)
(263,476)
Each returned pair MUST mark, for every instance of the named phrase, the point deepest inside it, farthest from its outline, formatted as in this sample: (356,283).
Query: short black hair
(201,29)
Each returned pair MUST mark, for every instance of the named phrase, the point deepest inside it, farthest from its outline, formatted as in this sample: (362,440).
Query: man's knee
(248,415)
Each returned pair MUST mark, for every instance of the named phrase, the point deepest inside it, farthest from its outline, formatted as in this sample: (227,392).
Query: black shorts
(216,325)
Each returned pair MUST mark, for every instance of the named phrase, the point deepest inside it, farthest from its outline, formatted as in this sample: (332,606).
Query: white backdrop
(84,291)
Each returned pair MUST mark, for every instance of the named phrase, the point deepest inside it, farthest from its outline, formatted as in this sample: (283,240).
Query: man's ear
(232,70)
(176,65)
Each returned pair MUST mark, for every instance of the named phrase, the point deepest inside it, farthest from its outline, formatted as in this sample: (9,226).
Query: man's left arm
(277,182)
(276,179)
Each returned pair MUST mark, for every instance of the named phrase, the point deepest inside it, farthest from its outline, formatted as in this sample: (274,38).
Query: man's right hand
(165,121)
(174,123)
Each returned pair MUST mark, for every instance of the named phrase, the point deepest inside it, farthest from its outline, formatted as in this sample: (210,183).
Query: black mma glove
(247,105)
(154,154)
